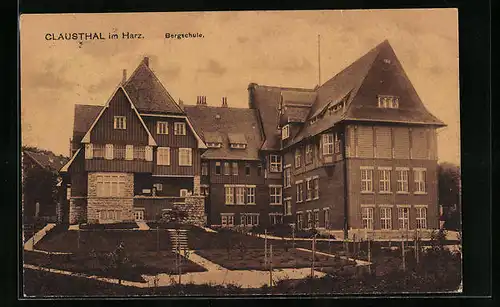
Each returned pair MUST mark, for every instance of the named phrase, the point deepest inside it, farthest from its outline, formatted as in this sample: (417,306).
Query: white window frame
(328,143)
(188,154)
(110,185)
(204,168)
(158,186)
(300,191)
(326,217)
(388,101)
(161,127)
(183,192)
(403,219)
(227,168)
(119,151)
(139,214)
(229,195)
(309,190)
(276,165)
(110,216)
(288,206)
(300,220)
(367,214)
(315,193)
(227,219)
(252,217)
(234,170)
(385,217)
(120,122)
(139,153)
(163,156)
(285,132)
(250,195)
(214,145)
(419,179)
(384,180)
(179,128)
(309,154)
(316,218)
(366,179)
(275,218)
(287,177)
(402,180)
(275,193)
(309,218)
(239,192)
(336,143)
(298,157)
(421,219)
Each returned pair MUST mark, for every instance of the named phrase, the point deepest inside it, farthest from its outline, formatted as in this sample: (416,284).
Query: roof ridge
(286,88)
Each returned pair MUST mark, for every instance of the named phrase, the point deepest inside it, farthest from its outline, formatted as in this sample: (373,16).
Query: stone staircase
(178,239)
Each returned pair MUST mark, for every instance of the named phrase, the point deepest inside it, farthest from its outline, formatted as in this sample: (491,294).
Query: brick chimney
(124,78)
(181,104)
(224,102)
(146,61)
(201,100)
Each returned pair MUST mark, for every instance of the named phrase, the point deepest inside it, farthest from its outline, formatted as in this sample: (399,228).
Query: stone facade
(194,207)
(123,204)
(196,185)
(77,210)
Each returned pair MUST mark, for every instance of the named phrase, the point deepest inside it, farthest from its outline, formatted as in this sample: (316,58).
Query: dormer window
(214,145)
(313,120)
(285,132)
(120,122)
(162,127)
(179,128)
(238,146)
(388,102)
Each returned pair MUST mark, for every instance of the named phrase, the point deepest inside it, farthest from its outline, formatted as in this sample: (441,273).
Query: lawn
(198,239)
(101,264)
(253,259)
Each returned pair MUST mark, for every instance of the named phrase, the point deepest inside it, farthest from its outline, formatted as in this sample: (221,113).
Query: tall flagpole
(319,60)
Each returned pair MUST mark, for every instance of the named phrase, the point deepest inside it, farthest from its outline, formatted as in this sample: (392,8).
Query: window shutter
(89,151)
(149,153)
(109,151)
(129,152)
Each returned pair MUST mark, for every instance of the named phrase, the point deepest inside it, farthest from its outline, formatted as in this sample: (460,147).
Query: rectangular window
(309,154)
(247,169)
(240,195)
(388,102)
(328,141)
(275,218)
(109,216)
(309,189)
(259,170)
(299,221)
(229,195)
(288,207)
(158,186)
(139,152)
(119,152)
(337,143)
(309,219)
(285,132)
(204,190)
(275,165)
(366,180)
(162,127)
(298,157)
(204,169)
(235,168)
(185,157)
(402,180)
(286,177)
(275,195)
(99,150)
(315,188)
(404,217)
(300,192)
(385,218)
(326,212)
(316,218)
(163,156)
(110,185)
(120,122)
(183,192)
(217,168)
(227,170)
(249,219)
(384,181)
(179,128)
(250,195)
(421,217)
(367,217)
(419,177)
(227,220)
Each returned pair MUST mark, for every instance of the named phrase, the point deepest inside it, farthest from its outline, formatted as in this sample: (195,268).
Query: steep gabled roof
(266,100)
(84,117)
(47,160)
(147,92)
(214,123)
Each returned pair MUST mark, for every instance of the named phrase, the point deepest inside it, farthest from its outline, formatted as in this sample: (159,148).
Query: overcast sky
(271,48)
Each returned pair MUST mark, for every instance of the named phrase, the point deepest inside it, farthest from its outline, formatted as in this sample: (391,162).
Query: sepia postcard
(236,153)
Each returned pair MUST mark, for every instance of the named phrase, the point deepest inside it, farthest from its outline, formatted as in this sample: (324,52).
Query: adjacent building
(357,152)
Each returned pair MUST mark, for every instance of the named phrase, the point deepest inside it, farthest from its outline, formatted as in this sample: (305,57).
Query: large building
(357,152)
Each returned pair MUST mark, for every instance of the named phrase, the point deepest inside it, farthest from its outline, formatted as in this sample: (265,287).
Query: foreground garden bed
(253,259)
(103,264)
